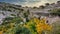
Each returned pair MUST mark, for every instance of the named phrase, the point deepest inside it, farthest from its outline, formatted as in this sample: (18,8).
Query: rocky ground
(8,14)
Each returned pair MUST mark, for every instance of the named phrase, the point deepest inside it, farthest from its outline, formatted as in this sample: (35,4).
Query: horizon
(29,3)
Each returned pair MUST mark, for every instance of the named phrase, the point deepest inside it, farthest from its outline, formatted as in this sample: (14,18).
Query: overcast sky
(29,2)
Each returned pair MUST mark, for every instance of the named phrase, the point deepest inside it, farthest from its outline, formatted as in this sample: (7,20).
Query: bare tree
(42,7)
(34,7)
(58,2)
(46,4)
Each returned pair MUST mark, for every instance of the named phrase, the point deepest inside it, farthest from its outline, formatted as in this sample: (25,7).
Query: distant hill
(8,6)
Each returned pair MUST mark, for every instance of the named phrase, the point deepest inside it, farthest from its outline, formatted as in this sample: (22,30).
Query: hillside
(16,19)
(11,10)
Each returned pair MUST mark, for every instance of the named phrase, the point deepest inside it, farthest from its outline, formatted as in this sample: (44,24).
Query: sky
(29,3)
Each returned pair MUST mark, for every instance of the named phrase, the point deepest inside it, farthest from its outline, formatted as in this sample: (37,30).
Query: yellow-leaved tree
(38,26)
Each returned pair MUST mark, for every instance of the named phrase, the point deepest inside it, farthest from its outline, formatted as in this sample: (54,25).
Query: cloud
(27,2)
(34,2)
(30,2)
